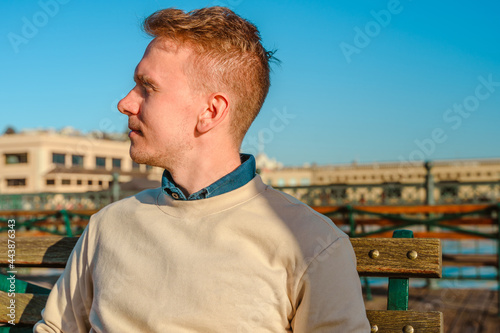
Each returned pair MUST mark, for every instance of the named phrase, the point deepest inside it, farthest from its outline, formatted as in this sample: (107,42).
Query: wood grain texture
(50,251)
(383,222)
(422,209)
(393,261)
(28,307)
(394,321)
(470,260)
(438,209)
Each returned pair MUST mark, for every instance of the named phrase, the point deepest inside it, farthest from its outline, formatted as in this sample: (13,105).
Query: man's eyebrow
(144,79)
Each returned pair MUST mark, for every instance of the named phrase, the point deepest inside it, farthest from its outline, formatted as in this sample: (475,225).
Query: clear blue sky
(372,96)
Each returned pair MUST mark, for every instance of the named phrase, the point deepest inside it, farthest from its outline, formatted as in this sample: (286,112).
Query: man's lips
(134,131)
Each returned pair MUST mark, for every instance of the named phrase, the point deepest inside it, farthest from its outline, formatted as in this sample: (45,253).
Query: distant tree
(10,130)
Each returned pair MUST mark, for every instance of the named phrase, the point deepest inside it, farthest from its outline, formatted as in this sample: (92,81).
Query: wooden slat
(395,321)
(386,222)
(423,209)
(28,307)
(393,261)
(445,235)
(50,251)
(470,260)
(438,209)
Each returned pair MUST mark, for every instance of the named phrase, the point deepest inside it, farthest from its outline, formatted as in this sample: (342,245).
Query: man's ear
(215,112)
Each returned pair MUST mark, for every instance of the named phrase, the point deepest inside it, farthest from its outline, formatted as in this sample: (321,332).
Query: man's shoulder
(284,201)
(299,216)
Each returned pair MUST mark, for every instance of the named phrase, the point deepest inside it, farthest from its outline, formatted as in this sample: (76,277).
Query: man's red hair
(228,53)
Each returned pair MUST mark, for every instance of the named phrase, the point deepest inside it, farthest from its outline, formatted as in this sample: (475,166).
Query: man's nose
(129,105)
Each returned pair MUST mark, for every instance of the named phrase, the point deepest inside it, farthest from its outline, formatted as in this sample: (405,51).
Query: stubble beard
(166,159)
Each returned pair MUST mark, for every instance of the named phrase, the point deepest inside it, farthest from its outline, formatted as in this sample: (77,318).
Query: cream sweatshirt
(250,260)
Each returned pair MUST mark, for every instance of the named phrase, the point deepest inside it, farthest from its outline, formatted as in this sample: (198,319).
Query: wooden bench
(396,258)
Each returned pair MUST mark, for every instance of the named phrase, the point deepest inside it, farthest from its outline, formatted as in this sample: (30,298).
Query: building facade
(487,170)
(457,181)
(66,162)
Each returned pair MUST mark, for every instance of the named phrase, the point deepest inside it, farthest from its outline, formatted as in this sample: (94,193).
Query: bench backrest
(396,258)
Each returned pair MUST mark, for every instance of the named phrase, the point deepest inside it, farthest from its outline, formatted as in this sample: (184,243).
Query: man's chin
(138,156)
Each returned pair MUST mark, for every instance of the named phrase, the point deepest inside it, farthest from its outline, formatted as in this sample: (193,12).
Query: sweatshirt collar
(237,178)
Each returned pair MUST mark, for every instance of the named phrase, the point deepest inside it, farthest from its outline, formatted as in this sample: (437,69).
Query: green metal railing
(350,215)
(402,221)
(396,194)
(24,222)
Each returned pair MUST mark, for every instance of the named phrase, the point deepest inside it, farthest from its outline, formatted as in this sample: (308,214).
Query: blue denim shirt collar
(237,178)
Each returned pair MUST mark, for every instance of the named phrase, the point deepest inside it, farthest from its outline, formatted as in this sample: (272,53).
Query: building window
(135,166)
(66,182)
(117,163)
(59,159)
(89,182)
(78,182)
(100,162)
(449,191)
(50,182)
(100,183)
(77,161)
(281,182)
(16,182)
(21,158)
(338,193)
(148,167)
(392,192)
(292,182)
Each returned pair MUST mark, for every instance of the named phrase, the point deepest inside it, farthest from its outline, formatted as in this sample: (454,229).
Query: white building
(48,161)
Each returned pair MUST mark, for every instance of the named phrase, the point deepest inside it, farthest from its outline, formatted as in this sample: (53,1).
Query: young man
(214,249)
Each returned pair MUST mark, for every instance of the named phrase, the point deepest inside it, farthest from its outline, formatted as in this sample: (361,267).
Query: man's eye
(148,86)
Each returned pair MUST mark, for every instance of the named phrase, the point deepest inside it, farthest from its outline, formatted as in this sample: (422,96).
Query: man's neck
(202,172)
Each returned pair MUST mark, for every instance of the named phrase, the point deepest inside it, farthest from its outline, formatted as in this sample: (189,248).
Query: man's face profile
(162,106)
